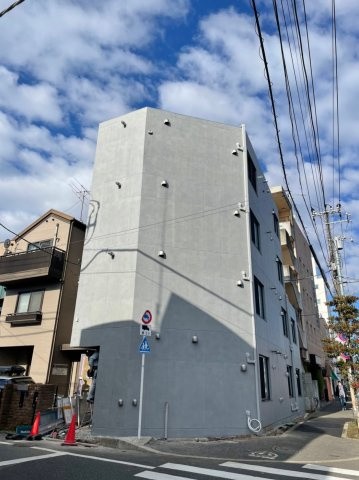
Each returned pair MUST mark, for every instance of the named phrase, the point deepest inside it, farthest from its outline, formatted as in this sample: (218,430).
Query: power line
(256,15)
(13,5)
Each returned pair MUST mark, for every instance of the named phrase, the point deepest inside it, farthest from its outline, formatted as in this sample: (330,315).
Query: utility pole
(335,245)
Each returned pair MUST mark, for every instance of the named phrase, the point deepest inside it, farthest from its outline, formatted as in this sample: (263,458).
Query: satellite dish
(7,243)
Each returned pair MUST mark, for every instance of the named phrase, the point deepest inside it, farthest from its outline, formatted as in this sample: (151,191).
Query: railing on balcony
(46,264)
(286,242)
(22,319)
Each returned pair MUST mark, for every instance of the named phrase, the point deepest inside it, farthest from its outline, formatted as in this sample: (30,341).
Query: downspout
(250,271)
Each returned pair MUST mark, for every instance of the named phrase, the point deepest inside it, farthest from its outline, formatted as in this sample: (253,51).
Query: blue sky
(67,65)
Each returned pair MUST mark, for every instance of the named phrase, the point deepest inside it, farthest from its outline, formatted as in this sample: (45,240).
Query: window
(290,380)
(255,231)
(29,302)
(275,224)
(284,322)
(264,377)
(294,330)
(37,245)
(279,269)
(252,172)
(299,385)
(259,297)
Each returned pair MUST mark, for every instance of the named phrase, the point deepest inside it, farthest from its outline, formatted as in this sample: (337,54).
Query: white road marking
(343,471)
(5,443)
(160,476)
(210,472)
(101,459)
(279,471)
(30,459)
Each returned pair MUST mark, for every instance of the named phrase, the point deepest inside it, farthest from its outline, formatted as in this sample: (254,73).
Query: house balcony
(291,287)
(45,265)
(288,254)
(23,319)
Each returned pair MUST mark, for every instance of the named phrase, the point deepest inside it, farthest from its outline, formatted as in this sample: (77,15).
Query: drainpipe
(250,271)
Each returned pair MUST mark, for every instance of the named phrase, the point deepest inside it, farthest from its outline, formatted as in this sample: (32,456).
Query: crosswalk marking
(343,471)
(279,471)
(160,476)
(252,469)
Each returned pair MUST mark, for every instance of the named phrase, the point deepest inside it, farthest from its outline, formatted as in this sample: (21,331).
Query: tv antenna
(81,193)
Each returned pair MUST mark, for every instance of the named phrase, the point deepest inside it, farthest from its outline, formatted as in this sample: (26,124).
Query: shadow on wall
(196,374)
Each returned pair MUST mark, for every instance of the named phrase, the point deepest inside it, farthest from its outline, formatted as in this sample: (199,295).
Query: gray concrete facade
(169,231)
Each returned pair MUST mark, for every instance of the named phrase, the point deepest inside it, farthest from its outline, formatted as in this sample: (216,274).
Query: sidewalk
(316,440)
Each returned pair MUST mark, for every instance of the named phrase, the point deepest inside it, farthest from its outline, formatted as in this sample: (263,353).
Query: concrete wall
(191,291)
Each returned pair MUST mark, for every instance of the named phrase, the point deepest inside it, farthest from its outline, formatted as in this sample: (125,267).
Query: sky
(67,65)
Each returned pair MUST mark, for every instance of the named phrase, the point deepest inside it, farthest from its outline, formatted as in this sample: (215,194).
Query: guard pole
(141,396)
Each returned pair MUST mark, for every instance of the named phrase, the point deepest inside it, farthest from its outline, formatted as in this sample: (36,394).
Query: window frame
(298,381)
(30,293)
(259,298)
(290,381)
(40,245)
(284,315)
(280,270)
(252,172)
(255,231)
(264,378)
(275,223)
(293,330)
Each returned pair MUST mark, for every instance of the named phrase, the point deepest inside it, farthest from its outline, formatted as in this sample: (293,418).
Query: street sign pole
(141,396)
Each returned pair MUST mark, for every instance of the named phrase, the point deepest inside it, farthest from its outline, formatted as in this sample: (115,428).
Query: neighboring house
(40,269)
(183,225)
(300,286)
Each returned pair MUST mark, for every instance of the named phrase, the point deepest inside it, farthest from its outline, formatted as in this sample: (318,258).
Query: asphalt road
(49,460)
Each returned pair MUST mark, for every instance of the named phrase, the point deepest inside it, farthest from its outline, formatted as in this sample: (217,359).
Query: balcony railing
(46,264)
(286,242)
(22,319)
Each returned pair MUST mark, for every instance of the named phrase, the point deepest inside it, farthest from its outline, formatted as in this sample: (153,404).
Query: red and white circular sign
(147,317)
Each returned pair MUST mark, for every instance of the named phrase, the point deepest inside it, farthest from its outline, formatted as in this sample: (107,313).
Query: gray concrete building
(182,224)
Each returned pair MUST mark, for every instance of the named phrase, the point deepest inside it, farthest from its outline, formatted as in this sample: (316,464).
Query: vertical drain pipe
(166,421)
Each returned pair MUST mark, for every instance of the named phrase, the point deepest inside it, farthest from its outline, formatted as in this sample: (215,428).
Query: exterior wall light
(124,124)
(236,213)
(167,122)
(161,254)
(239,283)
(118,184)
(157,336)
(150,132)
(234,152)
(194,339)
(164,183)
(243,367)
(120,402)
(134,402)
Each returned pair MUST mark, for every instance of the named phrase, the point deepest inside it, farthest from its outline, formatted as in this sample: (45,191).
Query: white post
(141,396)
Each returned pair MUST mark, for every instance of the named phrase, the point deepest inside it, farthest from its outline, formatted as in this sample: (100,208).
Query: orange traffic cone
(70,436)
(34,432)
